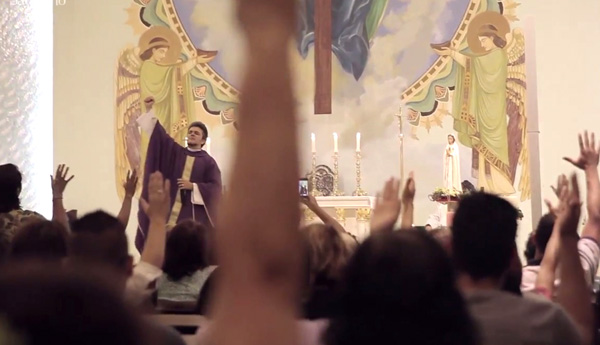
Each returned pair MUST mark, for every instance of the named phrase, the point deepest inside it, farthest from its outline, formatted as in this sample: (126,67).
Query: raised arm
(457,56)
(327,219)
(387,207)
(408,197)
(157,208)
(59,183)
(130,187)
(544,283)
(257,228)
(573,294)
(587,161)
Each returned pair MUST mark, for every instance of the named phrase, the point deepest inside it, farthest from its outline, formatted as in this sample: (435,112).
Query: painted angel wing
(516,87)
(128,109)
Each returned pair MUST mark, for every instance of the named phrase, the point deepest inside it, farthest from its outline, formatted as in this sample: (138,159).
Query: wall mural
(457,63)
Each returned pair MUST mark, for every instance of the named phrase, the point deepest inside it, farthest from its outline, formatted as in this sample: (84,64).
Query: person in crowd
(327,257)
(43,304)
(39,240)
(589,250)
(99,240)
(185,284)
(483,245)
(13,216)
(399,289)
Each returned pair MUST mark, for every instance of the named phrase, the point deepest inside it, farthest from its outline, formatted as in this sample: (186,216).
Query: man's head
(483,236)
(99,239)
(428,227)
(542,234)
(197,135)
(10,187)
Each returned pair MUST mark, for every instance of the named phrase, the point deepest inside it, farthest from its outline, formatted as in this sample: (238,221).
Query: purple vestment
(174,162)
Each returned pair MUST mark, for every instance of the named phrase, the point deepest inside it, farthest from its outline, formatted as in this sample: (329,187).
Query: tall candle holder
(314,191)
(336,175)
(358,191)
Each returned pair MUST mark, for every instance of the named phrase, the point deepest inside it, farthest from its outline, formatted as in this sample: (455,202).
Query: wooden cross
(323,55)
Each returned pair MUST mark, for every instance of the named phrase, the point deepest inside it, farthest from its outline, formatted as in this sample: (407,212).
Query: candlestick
(314,191)
(208,141)
(313,143)
(336,190)
(357,142)
(358,191)
(335,142)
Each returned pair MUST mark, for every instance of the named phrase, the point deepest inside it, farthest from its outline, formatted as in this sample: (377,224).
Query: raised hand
(130,184)
(408,195)
(387,207)
(569,208)
(158,205)
(60,181)
(588,153)
(561,183)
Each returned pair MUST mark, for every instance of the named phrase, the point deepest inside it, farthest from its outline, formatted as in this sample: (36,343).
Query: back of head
(47,305)
(10,187)
(483,235)
(39,240)
(327,253)
(186,250)
(399,289)
(544,231)
(99,238)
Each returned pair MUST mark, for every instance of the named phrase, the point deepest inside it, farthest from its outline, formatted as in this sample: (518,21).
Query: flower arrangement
(445,195)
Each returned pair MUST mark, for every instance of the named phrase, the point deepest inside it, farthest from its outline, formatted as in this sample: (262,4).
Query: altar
(353,212)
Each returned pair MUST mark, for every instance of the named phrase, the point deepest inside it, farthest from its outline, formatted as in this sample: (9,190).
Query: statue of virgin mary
(452,165)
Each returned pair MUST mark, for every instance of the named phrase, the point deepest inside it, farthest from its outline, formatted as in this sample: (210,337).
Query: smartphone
(303,187)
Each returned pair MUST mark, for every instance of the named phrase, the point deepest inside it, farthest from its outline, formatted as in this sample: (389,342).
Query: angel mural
(488,104)
(156,68)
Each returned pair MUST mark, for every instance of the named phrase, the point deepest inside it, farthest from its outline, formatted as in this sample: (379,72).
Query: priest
(194,172)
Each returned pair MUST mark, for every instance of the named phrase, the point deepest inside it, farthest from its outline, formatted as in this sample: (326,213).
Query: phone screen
(303,187)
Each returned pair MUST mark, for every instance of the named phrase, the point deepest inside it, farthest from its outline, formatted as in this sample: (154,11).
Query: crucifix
(323,52)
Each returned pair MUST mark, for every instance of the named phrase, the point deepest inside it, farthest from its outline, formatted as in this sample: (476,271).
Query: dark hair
(483,235)
(186,250)
(202,127)
(155,43)
(10,188)
(529,251)
(544,231)
(491,31)
(99,238)
(397,285)
(43,240)
(48,305)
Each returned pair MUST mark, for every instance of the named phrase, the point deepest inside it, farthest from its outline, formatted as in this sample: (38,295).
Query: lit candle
(208,145)
(335,142)
(357,142)
(313,142)
(185,142)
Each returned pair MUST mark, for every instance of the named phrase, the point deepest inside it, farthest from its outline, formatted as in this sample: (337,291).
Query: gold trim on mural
(189,48)
(442,61)
(186,175)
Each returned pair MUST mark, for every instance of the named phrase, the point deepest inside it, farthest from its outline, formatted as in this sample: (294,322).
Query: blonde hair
(327,252)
